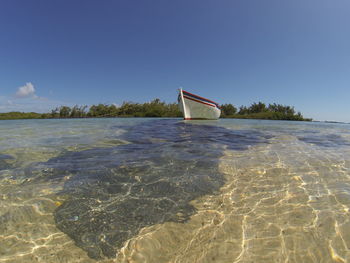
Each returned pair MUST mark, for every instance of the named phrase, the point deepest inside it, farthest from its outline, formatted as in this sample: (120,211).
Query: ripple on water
(267,211)
(114,192)
(325,140)
(180,193)
(5,160)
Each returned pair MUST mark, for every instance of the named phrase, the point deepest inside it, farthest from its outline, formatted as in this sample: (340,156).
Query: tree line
(15,115)
(157,108)
(262,111)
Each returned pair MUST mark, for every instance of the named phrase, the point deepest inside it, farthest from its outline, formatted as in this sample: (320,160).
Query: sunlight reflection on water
(160,190)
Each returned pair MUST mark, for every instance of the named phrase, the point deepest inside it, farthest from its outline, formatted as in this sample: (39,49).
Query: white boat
(195,107)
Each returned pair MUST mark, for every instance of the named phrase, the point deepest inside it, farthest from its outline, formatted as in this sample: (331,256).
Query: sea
(168,190)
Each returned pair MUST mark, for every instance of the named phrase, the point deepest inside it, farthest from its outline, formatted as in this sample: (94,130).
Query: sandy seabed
(285,201)
(280,204)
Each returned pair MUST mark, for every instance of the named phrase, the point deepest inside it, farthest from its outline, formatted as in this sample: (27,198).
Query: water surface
(165,190)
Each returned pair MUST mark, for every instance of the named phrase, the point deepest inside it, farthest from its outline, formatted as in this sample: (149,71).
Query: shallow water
(165,190)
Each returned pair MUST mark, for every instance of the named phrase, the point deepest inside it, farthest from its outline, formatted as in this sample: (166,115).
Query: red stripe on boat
(190,119)
(199,97)
(199,101)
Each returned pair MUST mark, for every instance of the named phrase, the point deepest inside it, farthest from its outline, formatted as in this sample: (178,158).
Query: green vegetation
(15,115)
(157,108)
(261,111)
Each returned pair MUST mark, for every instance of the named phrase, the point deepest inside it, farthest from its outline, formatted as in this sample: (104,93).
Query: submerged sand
(285,201)
(280,204)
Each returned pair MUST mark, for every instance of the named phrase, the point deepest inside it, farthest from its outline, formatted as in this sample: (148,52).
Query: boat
(195,107)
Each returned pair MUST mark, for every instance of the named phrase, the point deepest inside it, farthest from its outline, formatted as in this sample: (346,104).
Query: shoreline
(151,117)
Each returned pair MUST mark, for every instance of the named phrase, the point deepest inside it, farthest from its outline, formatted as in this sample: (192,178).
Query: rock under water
(111,193)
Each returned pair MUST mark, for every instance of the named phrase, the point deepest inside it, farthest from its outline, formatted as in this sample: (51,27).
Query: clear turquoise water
(165,190)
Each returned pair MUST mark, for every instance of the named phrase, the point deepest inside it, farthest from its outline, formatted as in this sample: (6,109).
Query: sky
(68,52)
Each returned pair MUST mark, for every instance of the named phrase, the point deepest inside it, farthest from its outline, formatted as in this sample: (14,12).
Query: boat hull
(197,108)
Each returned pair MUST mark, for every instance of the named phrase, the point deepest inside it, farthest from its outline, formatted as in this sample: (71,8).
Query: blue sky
(232,51)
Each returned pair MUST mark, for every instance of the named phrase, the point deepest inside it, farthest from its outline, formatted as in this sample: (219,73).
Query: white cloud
(26,91)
